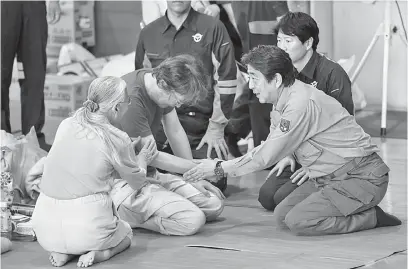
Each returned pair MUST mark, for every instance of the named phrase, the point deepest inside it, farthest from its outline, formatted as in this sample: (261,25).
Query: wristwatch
(218,171)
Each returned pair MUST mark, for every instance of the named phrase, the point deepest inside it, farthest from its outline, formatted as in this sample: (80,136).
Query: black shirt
(207,39)
(329,77)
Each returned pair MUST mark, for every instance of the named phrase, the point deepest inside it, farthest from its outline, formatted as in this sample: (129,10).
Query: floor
(245,236)
(370,120)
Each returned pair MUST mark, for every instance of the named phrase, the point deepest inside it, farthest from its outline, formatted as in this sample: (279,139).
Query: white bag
(21,155)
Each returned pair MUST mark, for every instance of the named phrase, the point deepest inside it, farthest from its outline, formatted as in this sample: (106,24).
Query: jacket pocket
(307,154)
(351,196)
(368,167)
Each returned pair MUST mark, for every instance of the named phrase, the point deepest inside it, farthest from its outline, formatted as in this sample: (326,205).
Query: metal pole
(387,33)
(360,65)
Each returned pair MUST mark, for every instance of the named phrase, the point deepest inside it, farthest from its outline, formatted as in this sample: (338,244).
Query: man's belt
(343,170)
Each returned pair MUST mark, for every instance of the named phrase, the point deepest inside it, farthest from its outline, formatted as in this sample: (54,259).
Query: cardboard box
(52,65)
(62,96)
(87,22)
(67,29)
(77,24)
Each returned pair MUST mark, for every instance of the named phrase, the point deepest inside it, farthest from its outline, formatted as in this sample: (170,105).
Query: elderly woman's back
(74,214)
(77,164)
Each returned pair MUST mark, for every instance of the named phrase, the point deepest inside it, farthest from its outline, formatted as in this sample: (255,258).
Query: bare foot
(92,257)
(60,259)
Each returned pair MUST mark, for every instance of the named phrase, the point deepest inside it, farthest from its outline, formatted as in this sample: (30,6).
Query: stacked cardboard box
(62,96)
(77,24)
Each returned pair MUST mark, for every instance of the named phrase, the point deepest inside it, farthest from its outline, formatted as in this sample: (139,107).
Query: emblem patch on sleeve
(284,125)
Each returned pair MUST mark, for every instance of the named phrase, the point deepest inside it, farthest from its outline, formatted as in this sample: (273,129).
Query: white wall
(322,12)
(354,24)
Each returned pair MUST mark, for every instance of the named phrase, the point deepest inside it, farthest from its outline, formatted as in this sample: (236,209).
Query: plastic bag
(21,155)
(119,66)
(72,52)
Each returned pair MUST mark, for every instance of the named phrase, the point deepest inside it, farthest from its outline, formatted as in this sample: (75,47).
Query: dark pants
(342,202)
(260,115)
(248,113)
(276,189)
(24,31)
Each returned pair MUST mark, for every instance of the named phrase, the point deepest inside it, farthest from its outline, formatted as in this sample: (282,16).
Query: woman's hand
(206,188)
(148,152)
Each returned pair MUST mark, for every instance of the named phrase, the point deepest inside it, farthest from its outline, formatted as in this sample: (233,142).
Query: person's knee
(127,229)
(195,221)
(297,224)
(280,214)
(213,208)
(281,194)
(266,198)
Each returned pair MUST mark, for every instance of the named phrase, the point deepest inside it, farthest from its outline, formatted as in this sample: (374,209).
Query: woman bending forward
(74,214)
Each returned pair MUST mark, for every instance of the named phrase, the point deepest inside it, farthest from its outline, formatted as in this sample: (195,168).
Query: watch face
(218,171)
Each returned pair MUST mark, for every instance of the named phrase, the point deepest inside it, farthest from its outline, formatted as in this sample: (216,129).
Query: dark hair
(185,75)
(301,25)
(270,60)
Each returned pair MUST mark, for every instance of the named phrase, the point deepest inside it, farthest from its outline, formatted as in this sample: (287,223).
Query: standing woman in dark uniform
(24,32)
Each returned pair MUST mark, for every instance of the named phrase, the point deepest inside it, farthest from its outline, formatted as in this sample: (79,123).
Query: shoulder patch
(284,125)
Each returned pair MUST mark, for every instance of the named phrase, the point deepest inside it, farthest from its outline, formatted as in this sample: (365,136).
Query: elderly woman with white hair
(74,214)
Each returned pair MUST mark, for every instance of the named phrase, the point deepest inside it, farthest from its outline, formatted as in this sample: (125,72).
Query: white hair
(103,95)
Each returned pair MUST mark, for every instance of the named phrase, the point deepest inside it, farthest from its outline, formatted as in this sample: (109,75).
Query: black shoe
(232,142)
(41,141)
(385,219)
(221,184)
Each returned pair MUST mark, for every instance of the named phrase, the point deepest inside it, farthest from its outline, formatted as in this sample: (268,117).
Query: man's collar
(282,99)
(311,65)
(189,22)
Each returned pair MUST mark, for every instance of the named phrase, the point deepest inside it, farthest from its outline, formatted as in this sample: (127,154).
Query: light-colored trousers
(174,207)
(343,204)
(77,226)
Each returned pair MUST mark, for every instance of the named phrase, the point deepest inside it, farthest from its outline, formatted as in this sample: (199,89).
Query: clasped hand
(147,153)
(203,170)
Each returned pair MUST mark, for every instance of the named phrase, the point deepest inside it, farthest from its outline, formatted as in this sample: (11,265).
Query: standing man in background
(183,30)
(24,32)
(255,22)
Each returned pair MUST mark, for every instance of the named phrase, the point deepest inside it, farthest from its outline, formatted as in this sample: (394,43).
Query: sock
(385,219)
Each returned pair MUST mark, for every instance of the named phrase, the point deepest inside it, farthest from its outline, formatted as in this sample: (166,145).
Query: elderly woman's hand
(148,152)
